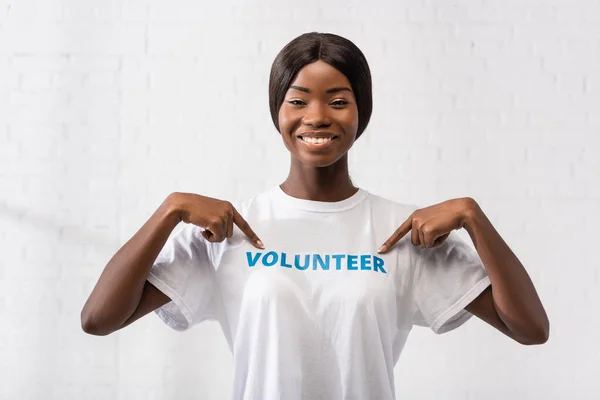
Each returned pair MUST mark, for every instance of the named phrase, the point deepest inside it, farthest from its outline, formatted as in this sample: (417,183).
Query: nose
(316,116)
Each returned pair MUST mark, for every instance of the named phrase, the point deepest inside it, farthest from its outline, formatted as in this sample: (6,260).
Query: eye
(339,103)
(295,102)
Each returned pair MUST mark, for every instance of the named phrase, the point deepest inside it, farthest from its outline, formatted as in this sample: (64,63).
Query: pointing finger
(397,235)
(244,227)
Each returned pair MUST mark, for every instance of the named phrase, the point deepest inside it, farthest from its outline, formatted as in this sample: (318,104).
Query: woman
(319,310)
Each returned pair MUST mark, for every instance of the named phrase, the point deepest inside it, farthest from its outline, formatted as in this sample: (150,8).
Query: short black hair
(336,51)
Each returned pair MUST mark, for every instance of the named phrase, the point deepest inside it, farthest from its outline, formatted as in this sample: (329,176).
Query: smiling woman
(320,100)
(323,311)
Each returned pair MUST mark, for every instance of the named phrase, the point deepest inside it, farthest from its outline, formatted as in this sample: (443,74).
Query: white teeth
(317,140)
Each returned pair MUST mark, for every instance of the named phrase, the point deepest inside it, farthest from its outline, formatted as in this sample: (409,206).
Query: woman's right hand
(215,216)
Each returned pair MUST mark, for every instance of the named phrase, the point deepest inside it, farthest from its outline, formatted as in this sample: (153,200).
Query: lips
(317,135)
(317,146)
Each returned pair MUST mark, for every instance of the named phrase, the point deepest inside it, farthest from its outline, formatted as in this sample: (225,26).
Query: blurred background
(107,107)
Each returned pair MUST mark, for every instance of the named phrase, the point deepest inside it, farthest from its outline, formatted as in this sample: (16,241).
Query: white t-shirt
(317,314)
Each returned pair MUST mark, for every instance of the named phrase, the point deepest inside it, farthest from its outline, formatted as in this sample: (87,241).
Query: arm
(152,298)
(122,294)
(512,304)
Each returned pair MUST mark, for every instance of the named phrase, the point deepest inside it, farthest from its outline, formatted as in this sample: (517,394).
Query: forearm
(515,297)
(120,286)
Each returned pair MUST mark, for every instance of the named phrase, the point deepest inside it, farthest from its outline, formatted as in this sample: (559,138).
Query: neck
(331,183)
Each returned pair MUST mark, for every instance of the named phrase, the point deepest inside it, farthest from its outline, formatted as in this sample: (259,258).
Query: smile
(317,143)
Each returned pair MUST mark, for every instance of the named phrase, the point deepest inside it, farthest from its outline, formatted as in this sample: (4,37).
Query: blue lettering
(378,264)
(306,262)
(252,262)
(270,263)
(283,264)
(324,265)
(319,261)
(352,260)
(338,258)
(365,262)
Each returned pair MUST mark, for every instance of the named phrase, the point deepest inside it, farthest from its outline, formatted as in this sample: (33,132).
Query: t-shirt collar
(319,206)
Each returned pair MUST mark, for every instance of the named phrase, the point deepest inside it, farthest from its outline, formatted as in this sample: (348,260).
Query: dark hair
(336,51)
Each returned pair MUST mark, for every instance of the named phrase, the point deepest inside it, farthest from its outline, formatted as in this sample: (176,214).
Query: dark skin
(320,173)
(510,304)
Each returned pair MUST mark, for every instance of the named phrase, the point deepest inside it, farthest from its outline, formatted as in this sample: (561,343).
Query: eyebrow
(328,91)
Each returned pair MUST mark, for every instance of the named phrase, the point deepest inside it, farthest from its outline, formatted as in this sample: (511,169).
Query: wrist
(173,207)
(471,214)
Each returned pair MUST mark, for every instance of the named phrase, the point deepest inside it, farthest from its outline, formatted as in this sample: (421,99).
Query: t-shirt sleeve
(446,279)
(184,272)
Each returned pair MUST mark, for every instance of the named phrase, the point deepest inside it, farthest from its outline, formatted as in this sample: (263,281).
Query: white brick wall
(106,107)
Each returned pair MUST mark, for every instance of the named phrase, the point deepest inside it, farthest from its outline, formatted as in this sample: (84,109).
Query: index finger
(244,227)
(397,235)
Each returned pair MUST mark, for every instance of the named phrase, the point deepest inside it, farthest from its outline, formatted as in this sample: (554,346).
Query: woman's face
(319,104)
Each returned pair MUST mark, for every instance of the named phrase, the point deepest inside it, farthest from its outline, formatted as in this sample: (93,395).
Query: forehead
(319,76)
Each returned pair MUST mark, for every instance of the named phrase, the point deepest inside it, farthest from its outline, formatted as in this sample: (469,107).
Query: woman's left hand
(432,225)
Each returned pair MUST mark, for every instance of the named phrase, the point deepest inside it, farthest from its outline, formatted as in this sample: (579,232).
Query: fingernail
(260,243)
(382,248)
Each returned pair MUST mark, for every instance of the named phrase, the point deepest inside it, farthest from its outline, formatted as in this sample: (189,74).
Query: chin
(318,160)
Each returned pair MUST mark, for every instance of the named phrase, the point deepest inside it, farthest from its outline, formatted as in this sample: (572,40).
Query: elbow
(544,332)
(91,326)
(535,341)
(540,337)
(544,336)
